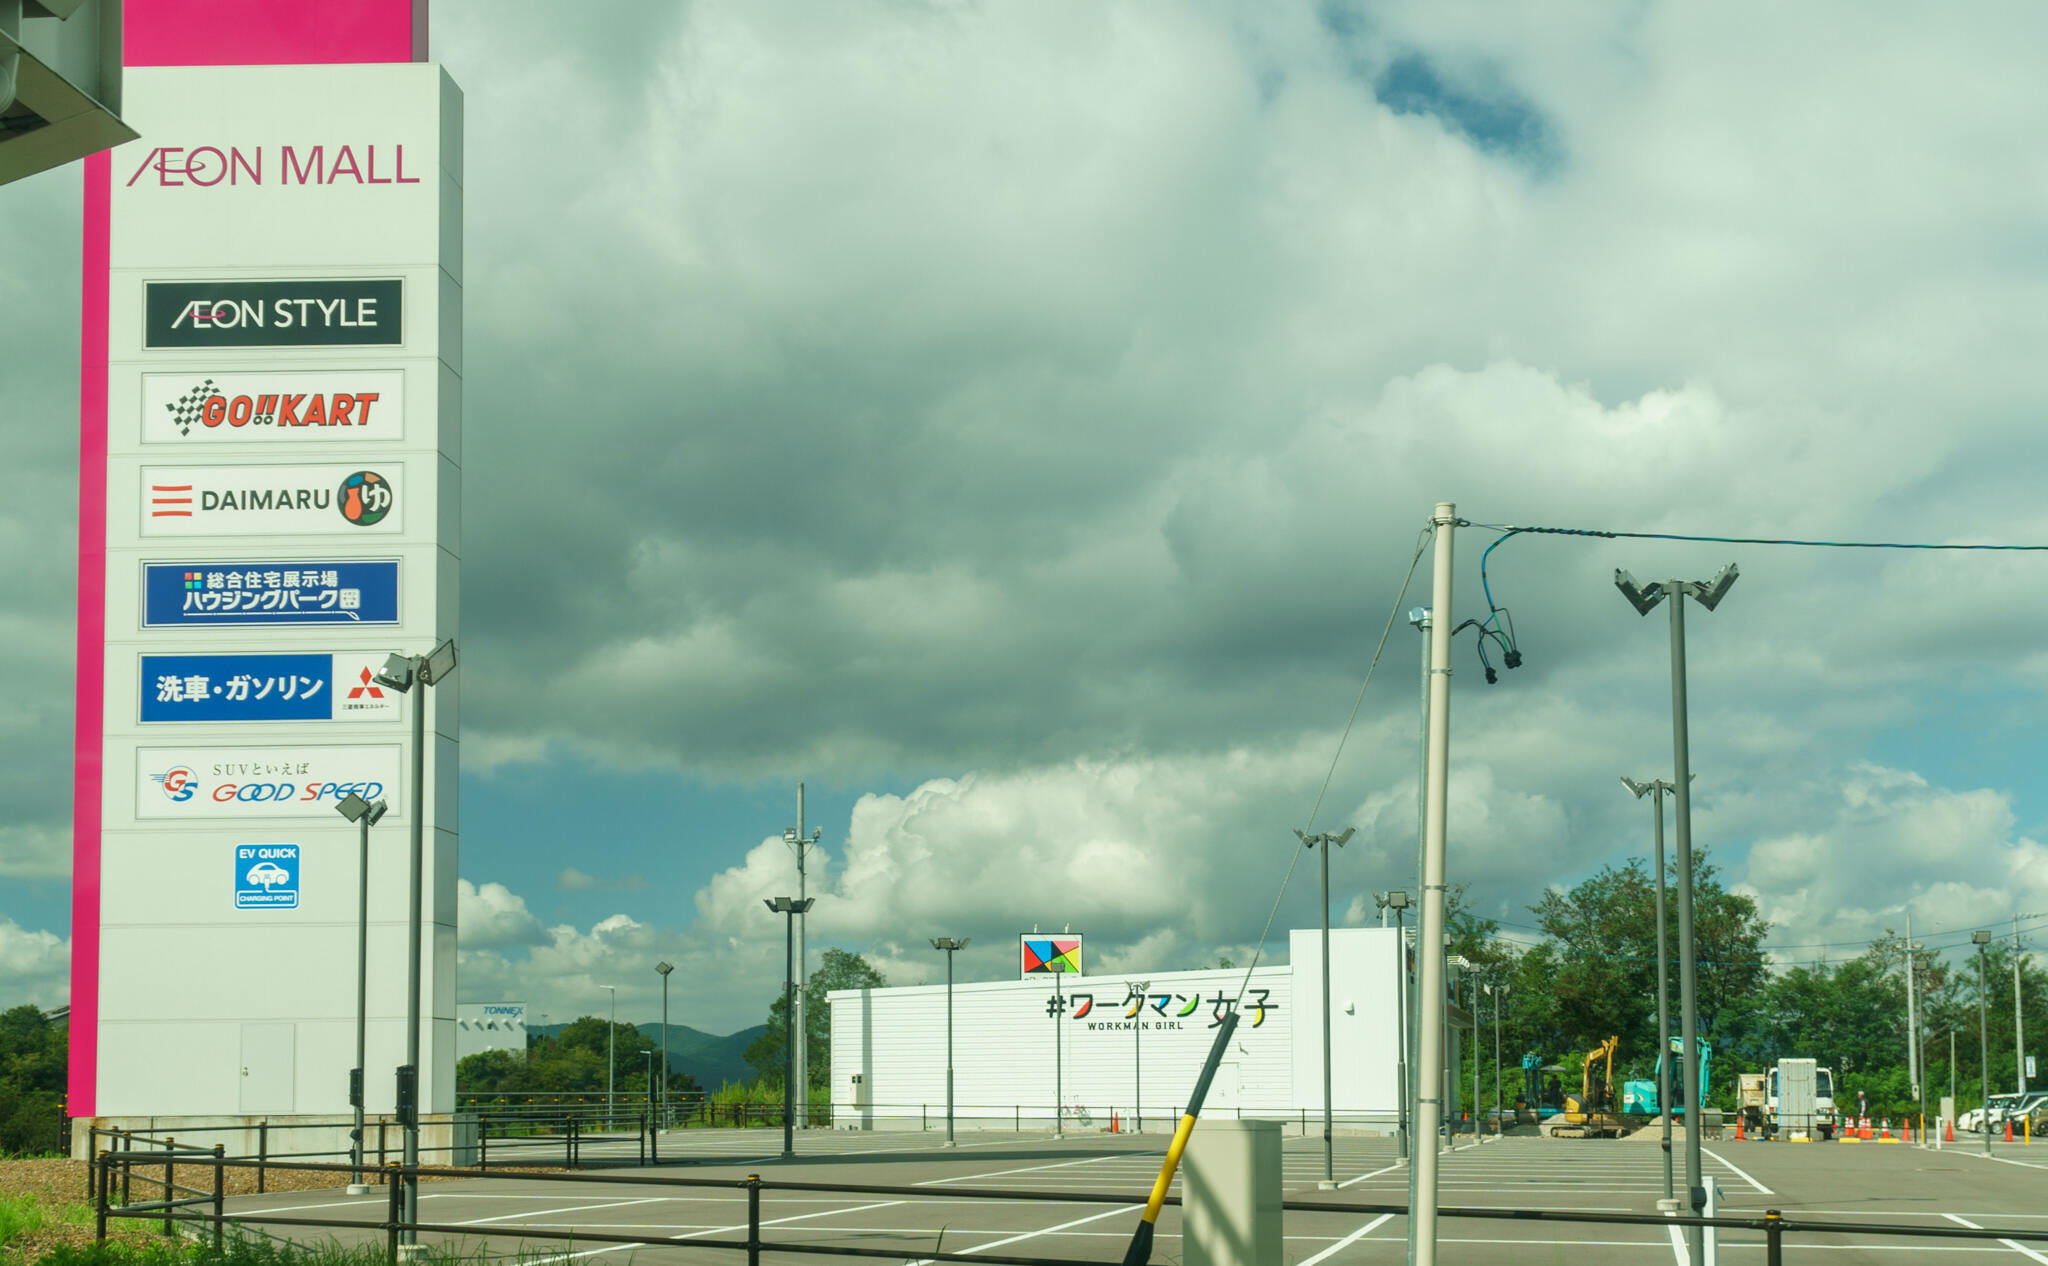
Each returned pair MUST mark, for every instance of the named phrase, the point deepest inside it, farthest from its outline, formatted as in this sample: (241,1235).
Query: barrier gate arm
(1140,1251)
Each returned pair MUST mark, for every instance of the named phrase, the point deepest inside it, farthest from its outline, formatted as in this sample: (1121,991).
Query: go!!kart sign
(253,686)
(273,406)
(250,501)
(185,783)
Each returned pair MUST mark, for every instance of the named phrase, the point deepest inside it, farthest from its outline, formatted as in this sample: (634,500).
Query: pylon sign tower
(269,500)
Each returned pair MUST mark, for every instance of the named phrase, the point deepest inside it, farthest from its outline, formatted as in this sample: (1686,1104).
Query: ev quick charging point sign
(266,876)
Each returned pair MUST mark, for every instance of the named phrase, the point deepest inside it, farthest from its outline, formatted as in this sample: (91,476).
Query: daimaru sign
(265,500)
(190,783)
(340,404)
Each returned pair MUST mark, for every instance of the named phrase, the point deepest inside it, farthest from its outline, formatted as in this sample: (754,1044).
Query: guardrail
(207,1211)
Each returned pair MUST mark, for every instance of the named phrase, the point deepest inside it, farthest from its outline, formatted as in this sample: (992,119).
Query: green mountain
(711,1059)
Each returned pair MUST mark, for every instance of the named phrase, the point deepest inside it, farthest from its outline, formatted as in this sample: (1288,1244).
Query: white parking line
(715,1230)
(1032,1235)
(542,1213)
(1737,1171)
(1350,1239)
(1374,1174)
(2014,1245)
(997,1173)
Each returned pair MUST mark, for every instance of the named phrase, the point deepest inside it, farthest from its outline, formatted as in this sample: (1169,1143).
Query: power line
(1511,529)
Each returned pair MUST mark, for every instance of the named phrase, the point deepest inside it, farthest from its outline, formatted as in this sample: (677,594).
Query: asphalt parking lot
(1853,1185)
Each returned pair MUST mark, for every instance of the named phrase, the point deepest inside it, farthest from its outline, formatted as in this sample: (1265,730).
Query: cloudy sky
(1015,421)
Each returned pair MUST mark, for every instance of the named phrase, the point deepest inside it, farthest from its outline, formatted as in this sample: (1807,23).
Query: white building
(889,1045)
(490,1026)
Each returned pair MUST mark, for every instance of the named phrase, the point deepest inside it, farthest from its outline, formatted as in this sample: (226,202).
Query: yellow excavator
(1591,1112)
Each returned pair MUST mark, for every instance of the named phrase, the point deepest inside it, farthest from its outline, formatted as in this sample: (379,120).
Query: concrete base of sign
(444,1139)
(1231,1194)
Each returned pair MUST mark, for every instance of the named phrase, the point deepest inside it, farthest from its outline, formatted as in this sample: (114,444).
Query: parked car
(2016,1107)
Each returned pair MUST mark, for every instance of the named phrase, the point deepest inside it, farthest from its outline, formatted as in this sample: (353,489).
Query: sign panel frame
(272,594)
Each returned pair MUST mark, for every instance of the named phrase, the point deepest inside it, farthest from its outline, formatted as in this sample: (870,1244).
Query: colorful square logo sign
(266,876)
(1047,954)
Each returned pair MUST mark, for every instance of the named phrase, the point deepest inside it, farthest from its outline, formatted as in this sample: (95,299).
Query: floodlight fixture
(352,807)
(1397,900)
(1644,600)
(789,905)
(950,943)
(664,968)
(397,673)
(1709,595)
(1980,937)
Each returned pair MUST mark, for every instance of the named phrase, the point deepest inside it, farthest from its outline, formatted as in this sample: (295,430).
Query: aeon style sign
(273,313)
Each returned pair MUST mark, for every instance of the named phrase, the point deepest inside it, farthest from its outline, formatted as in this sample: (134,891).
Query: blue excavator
(1640,1096)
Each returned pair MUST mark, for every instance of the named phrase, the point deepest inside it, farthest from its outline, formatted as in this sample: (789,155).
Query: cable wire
(1512,529)
(1259,946)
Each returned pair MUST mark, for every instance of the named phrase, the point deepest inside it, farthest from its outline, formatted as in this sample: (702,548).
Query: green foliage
(32,1073)
(837,969)
(573,1061)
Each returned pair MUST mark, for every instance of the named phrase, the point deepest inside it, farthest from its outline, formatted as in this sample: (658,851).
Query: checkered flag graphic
(185,410)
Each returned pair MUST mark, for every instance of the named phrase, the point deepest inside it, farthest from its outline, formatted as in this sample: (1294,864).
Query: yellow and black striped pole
(1140,1251)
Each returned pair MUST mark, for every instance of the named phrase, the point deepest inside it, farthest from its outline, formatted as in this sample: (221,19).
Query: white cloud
(34,852)
(491,915)
(36,964)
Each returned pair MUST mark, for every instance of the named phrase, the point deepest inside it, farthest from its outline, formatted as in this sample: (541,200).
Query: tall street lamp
(951,946)
(1397,901)
(365,815)
(1645,599)
(1980,938)
(1140,990)
(611,1043)
(1329,842)
(789,908)
(1656,790)
(794,837)
(402,673)
(664,969)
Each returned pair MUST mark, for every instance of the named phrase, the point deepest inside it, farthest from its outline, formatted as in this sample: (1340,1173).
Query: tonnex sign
(270,475)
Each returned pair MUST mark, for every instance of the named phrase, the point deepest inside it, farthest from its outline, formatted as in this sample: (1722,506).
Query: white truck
(1799,1100)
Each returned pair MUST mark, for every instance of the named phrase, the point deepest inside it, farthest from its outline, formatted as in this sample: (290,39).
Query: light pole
(365,815)
(1709,595)
(1499,991)
(402,673)
(1980,938)
(1329,842)
(1656,789)
(951,946)
(1429,1037)
(611,1037)
(789,908)
(795,838)
(1397,901)
(664,969)
(2019,1028)
(1140,990)
(1914,1072)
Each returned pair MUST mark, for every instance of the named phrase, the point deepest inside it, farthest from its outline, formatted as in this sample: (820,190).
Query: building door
(267,1054)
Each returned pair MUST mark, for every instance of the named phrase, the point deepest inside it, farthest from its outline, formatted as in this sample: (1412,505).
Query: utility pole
(2019,1027)
(1429,1098)
(1411,999)
(1981,938)
(795,838)
(1913,1025)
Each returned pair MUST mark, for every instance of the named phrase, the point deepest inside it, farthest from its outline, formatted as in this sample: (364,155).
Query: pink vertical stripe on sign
(88,738)
(272,32)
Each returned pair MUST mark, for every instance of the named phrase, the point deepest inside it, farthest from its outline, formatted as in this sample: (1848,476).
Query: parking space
(1826,1182)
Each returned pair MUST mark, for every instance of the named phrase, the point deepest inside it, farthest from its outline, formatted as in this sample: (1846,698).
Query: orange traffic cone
(1906,1129)
(1949,1133)
(1738,1127)
(1112,1121)
(2008,1129)
(1887,1128)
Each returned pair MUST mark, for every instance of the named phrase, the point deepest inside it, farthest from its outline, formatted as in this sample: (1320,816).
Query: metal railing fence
(118,1172)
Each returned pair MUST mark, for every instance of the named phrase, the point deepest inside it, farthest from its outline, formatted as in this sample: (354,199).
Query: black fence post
(394,1210)
(483,1141)
(753,1220)
(382,1164)
(92,1169)
(127,1165)
(262,1153)
(1774,1238)
(654,1143)
(102,1170)
(220,1193)
(170,1182)
(640,1137)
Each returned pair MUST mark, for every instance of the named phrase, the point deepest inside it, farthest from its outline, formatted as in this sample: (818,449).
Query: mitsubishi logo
(368,687)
